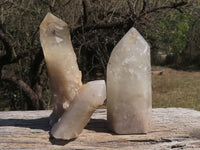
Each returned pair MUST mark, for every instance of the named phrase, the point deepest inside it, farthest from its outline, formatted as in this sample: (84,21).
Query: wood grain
(172,128)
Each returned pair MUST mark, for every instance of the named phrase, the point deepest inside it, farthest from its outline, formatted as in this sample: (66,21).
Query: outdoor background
(171,27)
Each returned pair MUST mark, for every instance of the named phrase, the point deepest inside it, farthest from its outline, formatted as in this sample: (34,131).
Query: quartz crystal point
(65,76)
(90,96)
(129,98)
(74,103)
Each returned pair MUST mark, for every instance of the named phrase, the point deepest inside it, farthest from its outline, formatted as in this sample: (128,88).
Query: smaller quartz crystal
(90,96)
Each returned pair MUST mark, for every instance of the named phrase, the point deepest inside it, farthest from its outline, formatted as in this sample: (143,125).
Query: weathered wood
(171,128)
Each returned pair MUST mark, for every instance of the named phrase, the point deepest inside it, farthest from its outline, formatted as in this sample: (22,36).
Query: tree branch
(48,4)
(172,6)
(9,57)
(85,11)
(3,3)
(8,47)
(26,89)
(36,67)
(127,22)
(101,26)
(143,6)
(131,9)
(67,2)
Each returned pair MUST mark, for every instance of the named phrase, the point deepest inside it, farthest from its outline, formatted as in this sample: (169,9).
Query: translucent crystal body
(65,76)
(129,98)
(90,96)
(74,103)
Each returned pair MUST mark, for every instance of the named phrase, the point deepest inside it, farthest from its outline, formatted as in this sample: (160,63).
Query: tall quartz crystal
(65,76)
(129,98)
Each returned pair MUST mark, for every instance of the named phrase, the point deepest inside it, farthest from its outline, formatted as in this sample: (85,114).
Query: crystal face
(129,98)
(65,76)
(90,96)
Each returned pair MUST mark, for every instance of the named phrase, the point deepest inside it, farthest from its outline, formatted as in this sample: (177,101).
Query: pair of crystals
(128,83)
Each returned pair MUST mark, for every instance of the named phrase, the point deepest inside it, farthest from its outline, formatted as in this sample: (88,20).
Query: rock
(129,98)
(65,76)
(90,96)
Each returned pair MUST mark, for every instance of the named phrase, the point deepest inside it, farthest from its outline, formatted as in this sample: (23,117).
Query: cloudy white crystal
(129,98)
(90,96)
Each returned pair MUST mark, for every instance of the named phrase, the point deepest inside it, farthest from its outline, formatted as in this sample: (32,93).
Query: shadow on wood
(58,141)
(40,123)
(97,125)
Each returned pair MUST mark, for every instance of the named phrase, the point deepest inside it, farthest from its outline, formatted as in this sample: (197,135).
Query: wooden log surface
(172,128)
